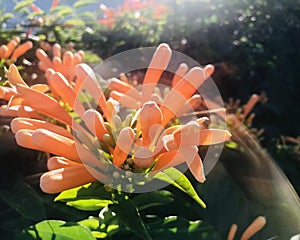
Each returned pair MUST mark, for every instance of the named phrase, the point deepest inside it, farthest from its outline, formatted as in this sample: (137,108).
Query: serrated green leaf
(21,5)
(58,230)
(127,213)
(82,3)
(89,204)
(146,200)
(180,181)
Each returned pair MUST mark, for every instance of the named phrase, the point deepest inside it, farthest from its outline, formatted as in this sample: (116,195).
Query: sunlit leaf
(82,3)
(179,180)
(88,191)
(21,5)
(232,145)
(7,16)
(58,230)
(89,204)
(75,22)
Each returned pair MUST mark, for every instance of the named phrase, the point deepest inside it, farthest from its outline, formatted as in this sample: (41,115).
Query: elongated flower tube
(63,62)
(252,229)
(12,50)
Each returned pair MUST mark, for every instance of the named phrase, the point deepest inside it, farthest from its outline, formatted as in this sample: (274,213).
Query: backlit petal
(65,178)
(34,124)
(150,117)
(94,121)
(123,146)
(158,64)
(254,227)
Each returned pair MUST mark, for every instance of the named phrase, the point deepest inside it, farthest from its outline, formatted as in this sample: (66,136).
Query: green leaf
(89,204)
(127,213)
(57,9)
(232,145)
(146,200)
(91,223)
(180,181)
(175,227)
(58,230)
(21,5)
(87,191)
(24,199)
(63,13)
(75,22)
(7,16)
(82,3)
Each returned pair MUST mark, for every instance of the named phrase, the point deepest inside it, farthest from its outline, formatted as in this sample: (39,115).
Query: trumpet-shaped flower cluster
(72,119)
(13,49)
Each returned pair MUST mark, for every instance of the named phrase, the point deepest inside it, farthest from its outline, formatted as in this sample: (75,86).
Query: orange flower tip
(161,57)
(232,232)
(164,46)
(156,98)
(14,125)
(168,142)
(17,39)
(22,136)
(202,120)
(209,70)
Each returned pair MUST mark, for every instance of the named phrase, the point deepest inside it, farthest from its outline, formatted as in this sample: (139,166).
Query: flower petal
(94,121)
(64,89)
(194,162)
(24,139)
(180,72)
(232,232)
(183,90)
(213,136)
(55,144)
(150,117)
(250,104)
(87,80)
(125,88)
(42,56)
(124,99)
(254,227)
(56,50)
(158,64)
(65,178)
(123,146)
(187,135)
(60,162)
(14,76)
(168,159)
(6,93)
(21,49)
(34,124)
(44,104)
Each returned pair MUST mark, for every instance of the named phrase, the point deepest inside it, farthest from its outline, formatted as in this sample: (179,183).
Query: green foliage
(54,229)
(180,181)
